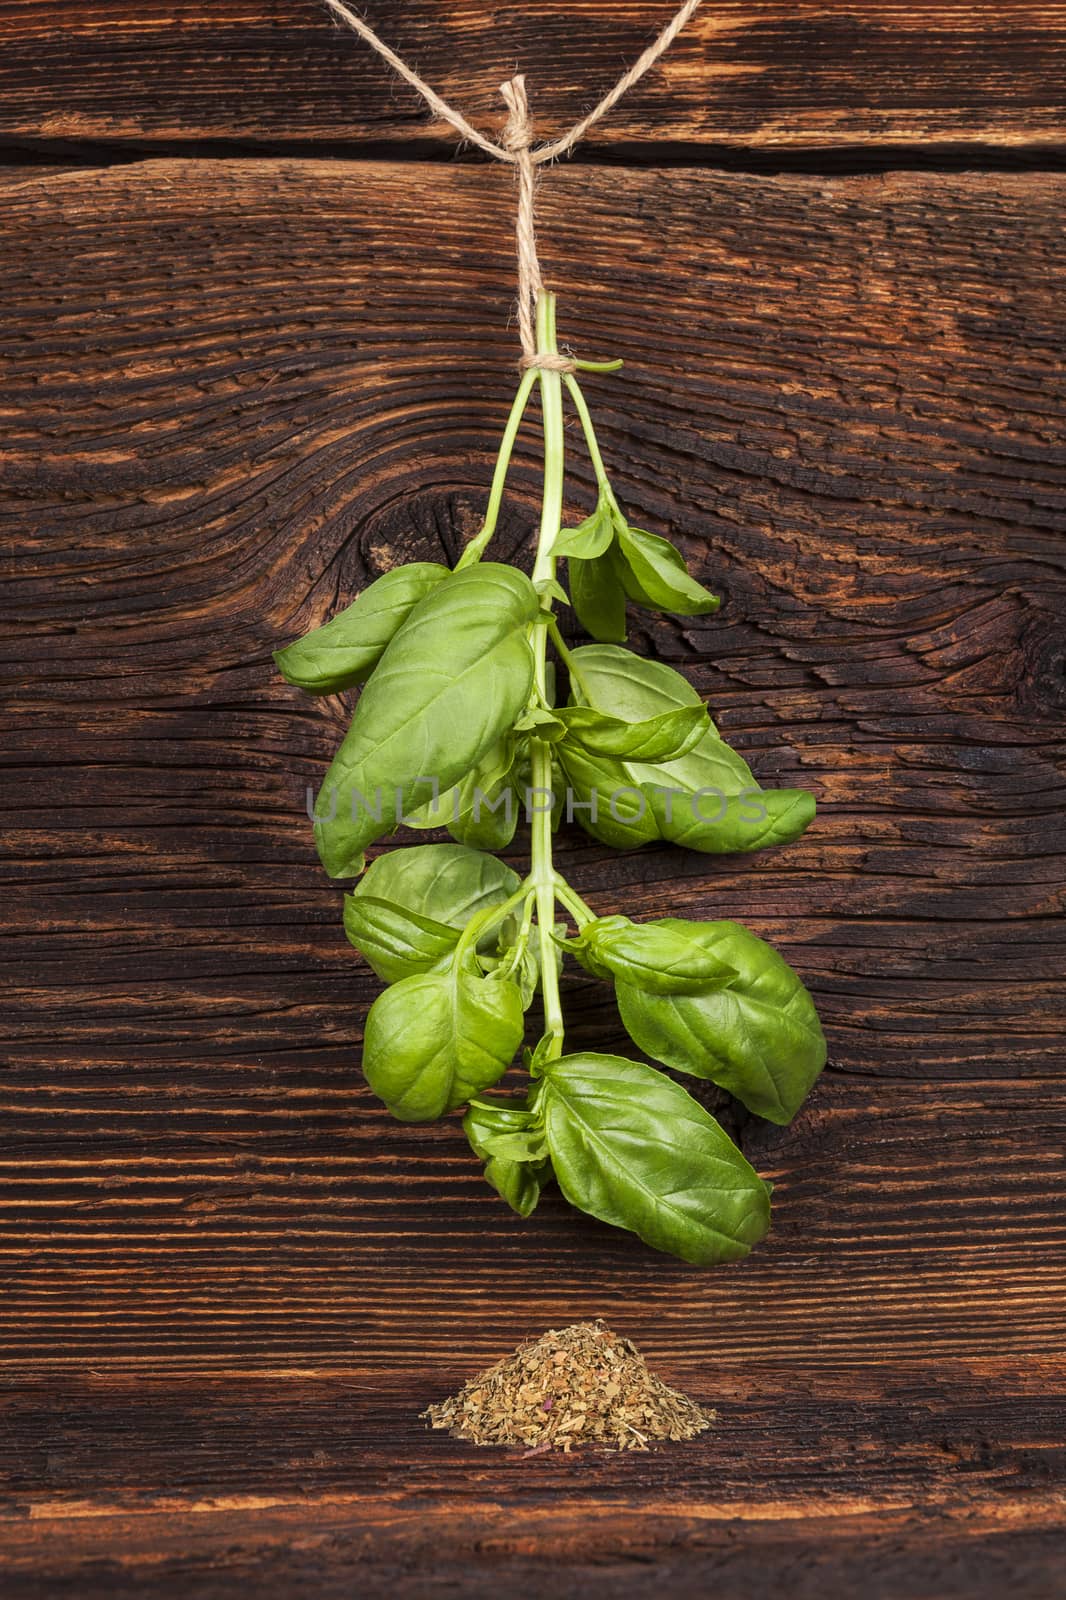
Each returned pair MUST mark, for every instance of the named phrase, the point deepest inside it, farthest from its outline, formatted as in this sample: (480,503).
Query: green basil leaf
(605,800)
(757,1035)
(528,974)
(630,1146)
(706,799)
(516,1146)
(654,575)
(704,815)
(482,810)
(450,683)
(434,1040)
(488,813)
(518,1182)
(598,597)
(544,724)
(395,941)
(590,538)
(551,589)
(511,1144)
(346,649)
(662,738)
(444,884)
(629,686)
(533,1061)
(660,957)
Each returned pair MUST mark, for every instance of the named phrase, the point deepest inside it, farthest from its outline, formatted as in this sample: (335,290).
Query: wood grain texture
(766,74)
(231,392)
(290,1490)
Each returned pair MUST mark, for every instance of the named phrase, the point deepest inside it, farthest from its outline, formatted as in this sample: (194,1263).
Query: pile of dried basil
(578,1386)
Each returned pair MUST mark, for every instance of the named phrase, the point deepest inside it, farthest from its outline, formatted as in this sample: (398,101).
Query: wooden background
(255,348)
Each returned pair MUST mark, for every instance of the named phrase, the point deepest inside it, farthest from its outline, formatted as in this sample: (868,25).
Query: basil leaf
(445,881)
(443,884)
(346,649)
(505,1127)
(662,738)
(653,574)
(533,1061)
(526,973)
(434,1040)
(693,807)
(655,957)
(757,1034)
(590,538)
(511,1144)
(482,809)
(551,589)
(707,799)
(450,683)
(606,801)
(598,597)
(394,941)
(488,811)
(630,686)
(518,1182)
(544,724)
(630,1146)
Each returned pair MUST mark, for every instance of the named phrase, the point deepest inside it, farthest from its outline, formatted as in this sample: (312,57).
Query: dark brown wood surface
(233,389)
(770,75)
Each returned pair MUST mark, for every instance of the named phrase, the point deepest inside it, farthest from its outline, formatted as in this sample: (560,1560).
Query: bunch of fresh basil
(458,727)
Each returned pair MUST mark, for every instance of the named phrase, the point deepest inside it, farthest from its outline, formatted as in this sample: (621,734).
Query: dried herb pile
(582,1385)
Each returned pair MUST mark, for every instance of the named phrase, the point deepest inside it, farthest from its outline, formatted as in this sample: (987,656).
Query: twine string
(658,47)
(430,96)
(518,138)
(516,147)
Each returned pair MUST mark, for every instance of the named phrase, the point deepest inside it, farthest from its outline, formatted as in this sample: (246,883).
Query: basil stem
(566,656)
(568,896)
(477,545)
(551,515)
(580,406)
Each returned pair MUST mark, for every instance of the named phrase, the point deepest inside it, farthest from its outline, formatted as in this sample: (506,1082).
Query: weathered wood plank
(289,1488)
(247,394)
(230,392)
(280,1222)
(770,74)
(335,1544)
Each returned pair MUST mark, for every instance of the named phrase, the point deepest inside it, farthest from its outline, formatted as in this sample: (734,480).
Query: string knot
(517,135)
(547,362)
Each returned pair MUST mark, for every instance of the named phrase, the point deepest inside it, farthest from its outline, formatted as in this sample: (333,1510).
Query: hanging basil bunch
(458,727)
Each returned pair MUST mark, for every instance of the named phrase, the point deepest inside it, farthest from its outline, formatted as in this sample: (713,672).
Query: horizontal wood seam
(812,160)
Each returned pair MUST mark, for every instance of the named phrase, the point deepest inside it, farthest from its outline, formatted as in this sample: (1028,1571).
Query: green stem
(482,921)
(542,873)
(574,389)
(599,366)
(522,939)
(573,902)
(566,655)
(475,548)
(551,401)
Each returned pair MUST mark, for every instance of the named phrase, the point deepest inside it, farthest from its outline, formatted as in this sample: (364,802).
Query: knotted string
(516,146)
(517,138)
